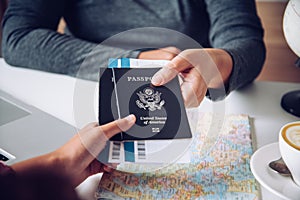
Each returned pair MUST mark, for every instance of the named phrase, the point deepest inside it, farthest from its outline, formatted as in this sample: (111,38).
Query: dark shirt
(30,38)
(6,171)
(35,184)
(7,180)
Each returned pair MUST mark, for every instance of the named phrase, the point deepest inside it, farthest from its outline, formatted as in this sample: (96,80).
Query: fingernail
(130,118)
(107,169)
(156,79)
(125,123)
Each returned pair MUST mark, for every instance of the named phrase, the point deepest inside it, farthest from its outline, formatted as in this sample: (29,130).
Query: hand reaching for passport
(76,159)
(199,69)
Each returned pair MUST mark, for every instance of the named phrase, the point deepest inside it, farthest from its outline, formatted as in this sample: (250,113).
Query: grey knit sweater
(30,38)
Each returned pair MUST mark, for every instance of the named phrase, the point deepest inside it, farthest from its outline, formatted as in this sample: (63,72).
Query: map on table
(219,168)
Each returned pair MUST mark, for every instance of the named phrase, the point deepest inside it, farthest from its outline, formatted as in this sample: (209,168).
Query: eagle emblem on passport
(149,100)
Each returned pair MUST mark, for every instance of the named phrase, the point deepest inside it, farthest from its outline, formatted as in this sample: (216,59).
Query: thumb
(164,75)
(94,140)
(171,70)
(118,126)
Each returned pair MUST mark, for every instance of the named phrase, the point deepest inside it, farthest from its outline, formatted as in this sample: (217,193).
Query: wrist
(224,64)
(37,163)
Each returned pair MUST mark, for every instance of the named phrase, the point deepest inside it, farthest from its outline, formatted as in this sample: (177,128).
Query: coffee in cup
(289,145)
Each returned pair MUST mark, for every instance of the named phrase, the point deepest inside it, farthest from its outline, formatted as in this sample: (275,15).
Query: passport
(159,110)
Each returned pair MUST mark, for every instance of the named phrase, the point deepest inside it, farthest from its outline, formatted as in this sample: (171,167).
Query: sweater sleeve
(30,40)
(236,28)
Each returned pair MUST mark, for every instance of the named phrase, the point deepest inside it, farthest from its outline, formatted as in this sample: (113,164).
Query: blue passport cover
(160,112)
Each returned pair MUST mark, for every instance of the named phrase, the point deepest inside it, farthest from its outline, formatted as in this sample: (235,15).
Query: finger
(193,88)
(98,167)
(112,165)
(172,50)
(94,140)
(163,76)
(118,126)
(95,167)
(180,63)
(78,175)
(167,53)
(108,168)
(171,70)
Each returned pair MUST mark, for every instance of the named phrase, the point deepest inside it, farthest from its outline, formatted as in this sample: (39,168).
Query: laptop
(26,131)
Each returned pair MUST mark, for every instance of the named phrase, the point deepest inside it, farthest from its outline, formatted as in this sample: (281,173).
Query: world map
(219,168)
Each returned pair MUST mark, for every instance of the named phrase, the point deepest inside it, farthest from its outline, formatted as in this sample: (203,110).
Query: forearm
(236,28)
(30,40)
(50,51)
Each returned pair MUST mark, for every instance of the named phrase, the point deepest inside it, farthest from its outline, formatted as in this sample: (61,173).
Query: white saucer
(283,187)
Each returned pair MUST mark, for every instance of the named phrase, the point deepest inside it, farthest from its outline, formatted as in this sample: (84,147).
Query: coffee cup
(289,145)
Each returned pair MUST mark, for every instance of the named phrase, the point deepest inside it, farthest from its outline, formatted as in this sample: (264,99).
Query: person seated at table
(54,175)
(229,31)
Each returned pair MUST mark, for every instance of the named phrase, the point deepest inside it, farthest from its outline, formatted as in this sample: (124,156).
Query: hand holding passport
(160,112)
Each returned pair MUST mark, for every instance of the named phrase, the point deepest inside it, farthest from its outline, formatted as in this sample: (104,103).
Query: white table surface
(61,95)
